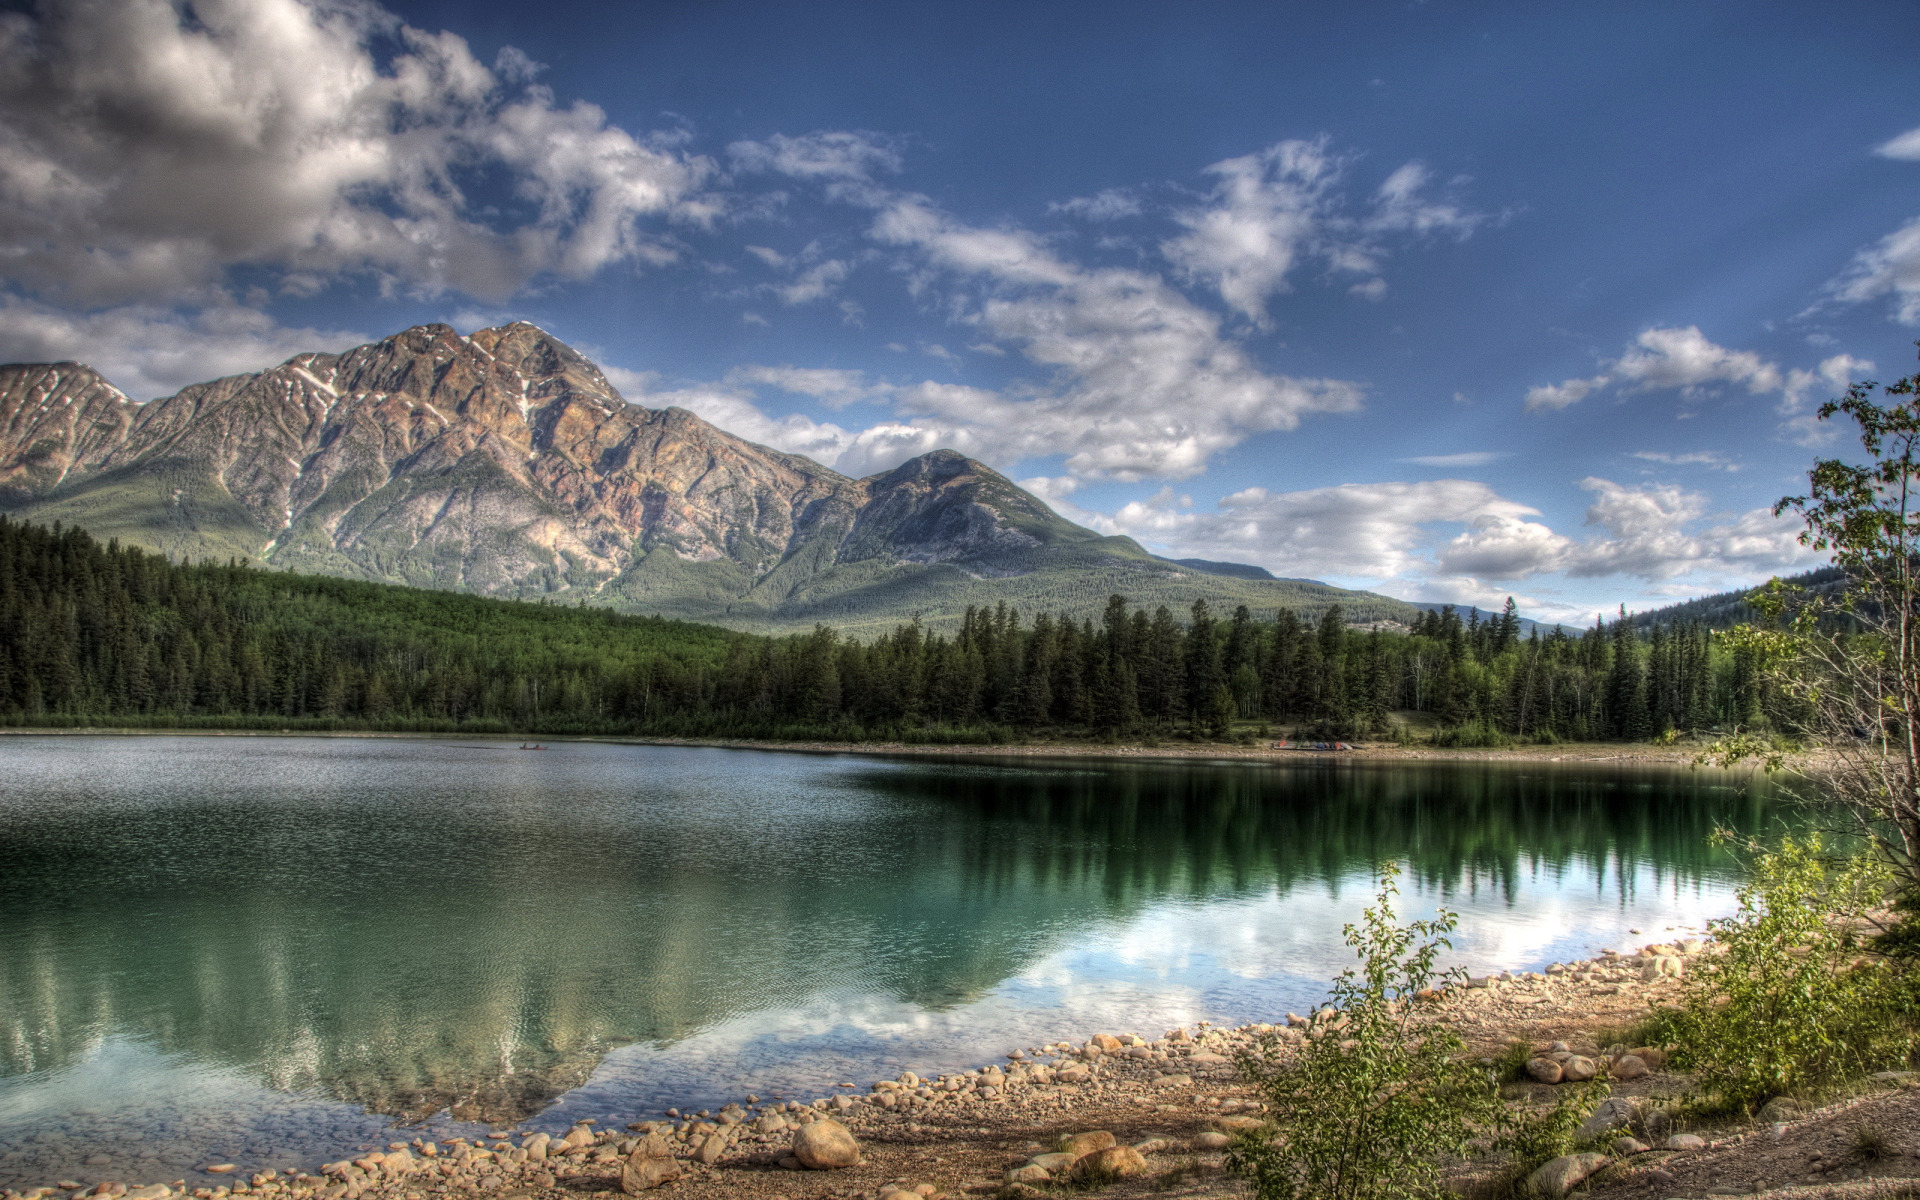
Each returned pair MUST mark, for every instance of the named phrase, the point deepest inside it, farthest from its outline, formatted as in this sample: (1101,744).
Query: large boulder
(1555,1179)
(826,1145)
(1543,1070)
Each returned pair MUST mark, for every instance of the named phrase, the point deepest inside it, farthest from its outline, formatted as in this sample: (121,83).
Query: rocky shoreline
(1123,1111)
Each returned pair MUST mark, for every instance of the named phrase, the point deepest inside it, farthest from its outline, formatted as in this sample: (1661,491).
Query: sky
(1448,300)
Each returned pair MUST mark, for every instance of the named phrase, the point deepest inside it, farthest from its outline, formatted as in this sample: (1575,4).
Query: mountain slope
(506,464)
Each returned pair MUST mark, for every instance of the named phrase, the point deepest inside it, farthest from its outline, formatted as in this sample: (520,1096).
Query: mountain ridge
(505,463)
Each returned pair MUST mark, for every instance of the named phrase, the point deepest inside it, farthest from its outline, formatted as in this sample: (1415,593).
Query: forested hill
(93,634)
(1724,610)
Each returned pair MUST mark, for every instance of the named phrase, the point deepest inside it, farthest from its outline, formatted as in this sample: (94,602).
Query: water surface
(269,950)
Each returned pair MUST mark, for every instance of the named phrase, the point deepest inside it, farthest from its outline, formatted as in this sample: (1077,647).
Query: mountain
(504,463)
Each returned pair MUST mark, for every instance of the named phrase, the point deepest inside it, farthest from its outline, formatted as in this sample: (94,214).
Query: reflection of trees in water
(1151,830)
(488,966)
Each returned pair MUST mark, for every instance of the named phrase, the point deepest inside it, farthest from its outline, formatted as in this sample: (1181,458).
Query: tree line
(109,634)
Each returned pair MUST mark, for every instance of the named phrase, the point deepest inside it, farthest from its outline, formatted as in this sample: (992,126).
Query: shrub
(1370,1108)
(1792,1006)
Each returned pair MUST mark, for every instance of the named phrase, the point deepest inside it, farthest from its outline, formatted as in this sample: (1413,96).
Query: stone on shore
(644,1172)
(1624,1146)
(1578,1069)
(1114,1162)
(1630,1066)
(826,1145)
(1543,1070)
(1686,1141)
(1613,1113)
(1780,1108)
(1082,1144)
(1663,966)
(1212,1140)
(1563,1174)
(1029,1174)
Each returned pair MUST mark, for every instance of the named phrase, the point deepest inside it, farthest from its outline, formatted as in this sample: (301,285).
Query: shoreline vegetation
(1650,753)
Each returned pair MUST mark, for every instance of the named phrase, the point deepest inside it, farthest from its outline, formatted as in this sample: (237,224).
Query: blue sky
(1449,300)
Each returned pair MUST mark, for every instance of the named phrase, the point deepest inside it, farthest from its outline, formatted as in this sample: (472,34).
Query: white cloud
(1371,531)
(1561,395)
(845,162)
(1274,210)
(1890,268)
(143,152)
(1713,460)
(1666,358)
(1683,358)
(1268,211)
(1470,458)
(814,283)
(1402,205)
(148,351)
(831,386)
(1805,390)
(1144,383)
(1647,536)
(1109,205)
(1395,533)
(1906,146)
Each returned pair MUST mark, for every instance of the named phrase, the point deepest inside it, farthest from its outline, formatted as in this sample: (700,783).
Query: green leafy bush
(1369,1108)
(1793,1006)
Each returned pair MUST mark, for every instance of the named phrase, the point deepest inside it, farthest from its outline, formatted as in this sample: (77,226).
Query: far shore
(1626,753)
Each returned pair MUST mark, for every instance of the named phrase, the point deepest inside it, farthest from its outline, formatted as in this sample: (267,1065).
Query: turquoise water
(271,950)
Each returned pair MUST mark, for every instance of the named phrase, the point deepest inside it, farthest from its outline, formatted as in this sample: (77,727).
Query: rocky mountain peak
(504,462)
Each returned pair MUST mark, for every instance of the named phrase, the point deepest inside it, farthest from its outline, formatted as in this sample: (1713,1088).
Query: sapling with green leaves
(1371,1105)
(1792,1005)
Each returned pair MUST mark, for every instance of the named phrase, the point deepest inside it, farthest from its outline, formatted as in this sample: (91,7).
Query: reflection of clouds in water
(1296,934)
(1172,964)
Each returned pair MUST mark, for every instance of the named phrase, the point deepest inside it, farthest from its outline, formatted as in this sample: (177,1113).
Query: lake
(271,950)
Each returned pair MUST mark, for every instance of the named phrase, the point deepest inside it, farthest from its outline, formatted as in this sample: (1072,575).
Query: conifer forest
(107,635)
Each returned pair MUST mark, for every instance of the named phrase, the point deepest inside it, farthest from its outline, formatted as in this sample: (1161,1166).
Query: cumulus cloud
(1683,359)
(1274,210)
(145,150)
(1398,532)
(149,351)
(1144,382)
(1370,531)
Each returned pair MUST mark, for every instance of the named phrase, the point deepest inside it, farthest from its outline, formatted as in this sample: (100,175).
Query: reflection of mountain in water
(413,927)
